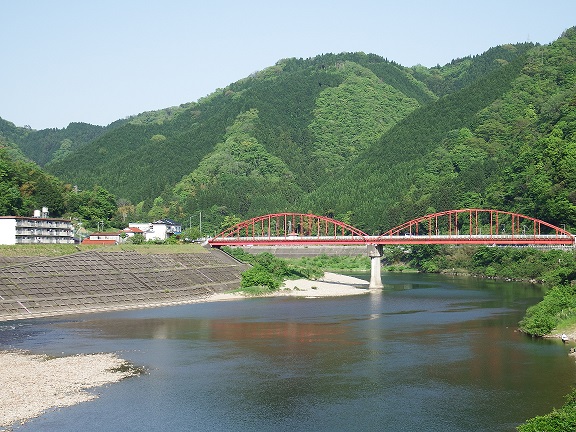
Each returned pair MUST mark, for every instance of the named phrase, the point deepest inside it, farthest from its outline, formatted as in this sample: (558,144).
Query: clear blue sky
(99,61)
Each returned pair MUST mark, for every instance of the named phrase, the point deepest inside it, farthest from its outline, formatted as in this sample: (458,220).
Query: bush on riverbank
(268,272)
(556,309)
(552,266)
(563,419)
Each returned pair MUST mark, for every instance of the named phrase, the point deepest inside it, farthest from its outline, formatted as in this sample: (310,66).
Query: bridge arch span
(479,226)
(290,228)
(464,226)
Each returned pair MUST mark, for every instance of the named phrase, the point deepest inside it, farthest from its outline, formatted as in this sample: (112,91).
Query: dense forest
(350,135)
(24,187)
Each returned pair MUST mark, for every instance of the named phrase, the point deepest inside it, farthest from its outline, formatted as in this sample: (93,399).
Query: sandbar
(31,384)
(329,285)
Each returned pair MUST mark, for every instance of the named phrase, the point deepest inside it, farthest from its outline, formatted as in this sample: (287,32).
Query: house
(103,238)
(159,230)
(111,238)
(36,229)
(132,231)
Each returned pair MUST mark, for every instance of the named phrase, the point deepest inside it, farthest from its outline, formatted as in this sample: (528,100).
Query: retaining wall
(308,251)
(105,281)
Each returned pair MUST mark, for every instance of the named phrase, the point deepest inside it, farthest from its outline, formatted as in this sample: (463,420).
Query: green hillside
(140,160)
(317,116)
(397,179)
(514,151)
(46,145)
(25,187)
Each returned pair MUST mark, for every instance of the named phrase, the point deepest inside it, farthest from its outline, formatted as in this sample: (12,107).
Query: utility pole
(200,219)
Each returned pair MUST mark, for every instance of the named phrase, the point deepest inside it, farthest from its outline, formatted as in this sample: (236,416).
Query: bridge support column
(375,254)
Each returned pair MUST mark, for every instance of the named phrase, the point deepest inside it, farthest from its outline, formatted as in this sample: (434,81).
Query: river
(427,353)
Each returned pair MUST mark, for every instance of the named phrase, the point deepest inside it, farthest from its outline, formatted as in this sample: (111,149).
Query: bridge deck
(501,239)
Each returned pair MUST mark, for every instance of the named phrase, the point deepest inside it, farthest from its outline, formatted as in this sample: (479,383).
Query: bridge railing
(479,239)
(294,240)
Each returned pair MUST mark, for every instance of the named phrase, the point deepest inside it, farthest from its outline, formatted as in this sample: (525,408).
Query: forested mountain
(159,153)
(25,187)
(507,141)
(316,116)
(351,135)
(400,174)
(46,145)
(460,73)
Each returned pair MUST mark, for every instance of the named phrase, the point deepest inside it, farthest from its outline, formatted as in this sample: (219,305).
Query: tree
(125,208)
(229,221)
(93,206)
(10,200)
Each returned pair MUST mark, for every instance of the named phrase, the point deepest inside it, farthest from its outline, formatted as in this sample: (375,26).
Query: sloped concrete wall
(105,281)
(307,251)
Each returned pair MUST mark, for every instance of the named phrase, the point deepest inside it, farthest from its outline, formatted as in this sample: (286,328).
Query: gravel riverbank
(32,384)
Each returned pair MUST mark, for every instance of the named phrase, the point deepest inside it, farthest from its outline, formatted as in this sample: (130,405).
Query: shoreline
(33,384)
(329,285)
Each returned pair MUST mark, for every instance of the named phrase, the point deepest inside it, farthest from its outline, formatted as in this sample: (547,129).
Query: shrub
(259,276)
(545,316)
(563,419)
(137,239)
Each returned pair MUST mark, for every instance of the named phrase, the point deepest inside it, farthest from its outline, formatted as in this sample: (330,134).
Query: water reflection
(443,350)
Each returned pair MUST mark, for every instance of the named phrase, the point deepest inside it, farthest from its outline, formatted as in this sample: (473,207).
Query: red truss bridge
(457,227)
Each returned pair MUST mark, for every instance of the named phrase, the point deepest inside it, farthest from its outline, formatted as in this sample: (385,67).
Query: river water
(427,353)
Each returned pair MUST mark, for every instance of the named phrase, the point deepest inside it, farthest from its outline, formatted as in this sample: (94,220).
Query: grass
(56,250)
(567,321)
(157,248)
(50,250)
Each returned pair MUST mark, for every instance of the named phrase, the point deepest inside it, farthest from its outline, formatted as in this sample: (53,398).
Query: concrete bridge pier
(375,254)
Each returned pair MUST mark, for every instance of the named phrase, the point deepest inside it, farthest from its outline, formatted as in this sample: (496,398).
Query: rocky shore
(32,384)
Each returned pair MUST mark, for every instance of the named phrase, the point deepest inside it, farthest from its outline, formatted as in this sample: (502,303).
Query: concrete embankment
(307,251)
(97,281)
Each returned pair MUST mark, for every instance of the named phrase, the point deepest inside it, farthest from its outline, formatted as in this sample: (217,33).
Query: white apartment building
(158,230)
(36,229)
